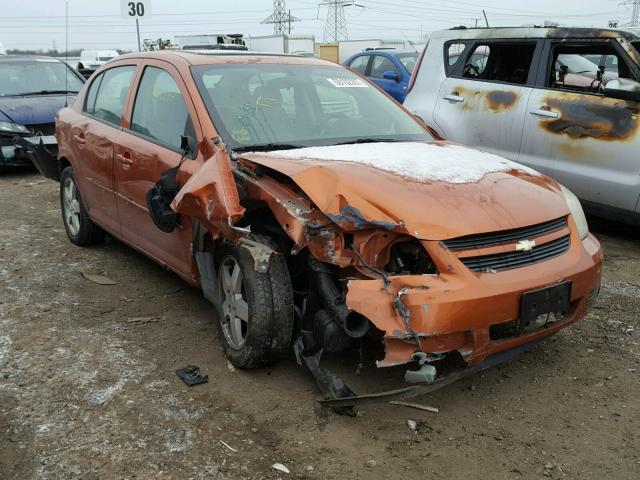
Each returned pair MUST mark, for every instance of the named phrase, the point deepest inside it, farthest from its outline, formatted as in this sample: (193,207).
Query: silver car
(564,101)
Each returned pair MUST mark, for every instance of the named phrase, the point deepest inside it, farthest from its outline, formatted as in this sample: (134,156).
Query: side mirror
(623,89)
(391,75)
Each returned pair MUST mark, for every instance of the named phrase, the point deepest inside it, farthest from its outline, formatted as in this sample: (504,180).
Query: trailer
(298,44)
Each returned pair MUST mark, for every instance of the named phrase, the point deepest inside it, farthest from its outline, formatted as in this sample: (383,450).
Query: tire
(255,313)
(79,227)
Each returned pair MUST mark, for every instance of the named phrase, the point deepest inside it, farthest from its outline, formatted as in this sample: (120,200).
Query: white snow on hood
(414,160)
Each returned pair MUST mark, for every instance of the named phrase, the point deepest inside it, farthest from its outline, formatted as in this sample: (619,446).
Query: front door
(161,114)
(575,134)
(482,102)
(381,64)
(93,137)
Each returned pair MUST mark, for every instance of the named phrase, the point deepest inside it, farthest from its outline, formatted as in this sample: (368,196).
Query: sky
(97,24)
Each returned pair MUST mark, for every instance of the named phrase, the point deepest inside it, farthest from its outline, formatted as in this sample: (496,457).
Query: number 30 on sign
(135,8)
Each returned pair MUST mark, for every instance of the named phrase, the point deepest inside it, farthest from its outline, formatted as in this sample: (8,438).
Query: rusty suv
(313,210)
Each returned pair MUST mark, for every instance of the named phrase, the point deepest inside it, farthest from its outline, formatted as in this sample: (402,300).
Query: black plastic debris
(191,375)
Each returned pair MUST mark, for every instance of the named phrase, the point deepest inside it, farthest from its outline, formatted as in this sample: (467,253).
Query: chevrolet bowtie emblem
(525,245)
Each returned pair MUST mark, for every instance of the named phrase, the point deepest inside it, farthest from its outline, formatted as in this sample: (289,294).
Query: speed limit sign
(135,8)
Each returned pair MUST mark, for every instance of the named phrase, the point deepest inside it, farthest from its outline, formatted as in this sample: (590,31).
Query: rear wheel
(80,228)
(255,314)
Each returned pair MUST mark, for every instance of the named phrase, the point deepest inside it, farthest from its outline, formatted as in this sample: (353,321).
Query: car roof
(25,58)
(216,57)
(532,32)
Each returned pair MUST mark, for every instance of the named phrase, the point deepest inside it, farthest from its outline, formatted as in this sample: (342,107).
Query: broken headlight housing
(13,128)
(576,211)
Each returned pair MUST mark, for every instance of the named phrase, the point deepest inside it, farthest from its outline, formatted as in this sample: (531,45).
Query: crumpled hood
(434,191)
(32,110)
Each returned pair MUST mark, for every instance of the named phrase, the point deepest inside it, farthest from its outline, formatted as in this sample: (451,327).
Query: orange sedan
(313,210)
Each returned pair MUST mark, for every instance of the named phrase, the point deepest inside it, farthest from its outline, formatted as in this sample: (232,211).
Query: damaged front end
(20,147)
(360,270)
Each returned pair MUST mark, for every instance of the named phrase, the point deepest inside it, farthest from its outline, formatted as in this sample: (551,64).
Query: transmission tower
(281,18)
(335,28)
(635,14)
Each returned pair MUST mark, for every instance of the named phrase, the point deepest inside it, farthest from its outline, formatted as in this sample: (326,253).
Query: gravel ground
(88,389)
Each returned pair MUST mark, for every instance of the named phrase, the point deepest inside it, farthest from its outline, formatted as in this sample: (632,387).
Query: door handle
(454,97)
(125,159)
(80,139)
(544,112)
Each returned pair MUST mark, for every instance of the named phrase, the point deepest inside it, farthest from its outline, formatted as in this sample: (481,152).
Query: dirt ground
(88,389)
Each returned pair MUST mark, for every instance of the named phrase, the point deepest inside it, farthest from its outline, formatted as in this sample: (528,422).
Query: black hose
(354,324)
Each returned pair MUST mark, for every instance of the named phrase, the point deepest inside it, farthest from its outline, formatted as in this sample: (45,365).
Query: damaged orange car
(313,210)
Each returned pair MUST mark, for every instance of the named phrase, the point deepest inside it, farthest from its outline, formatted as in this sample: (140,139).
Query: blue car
(389,69)
(32,90)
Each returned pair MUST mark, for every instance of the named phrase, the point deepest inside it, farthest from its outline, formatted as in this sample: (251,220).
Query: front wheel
(255,314)
(80,228)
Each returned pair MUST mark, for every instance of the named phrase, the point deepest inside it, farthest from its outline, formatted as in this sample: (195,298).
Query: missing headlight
(409,257)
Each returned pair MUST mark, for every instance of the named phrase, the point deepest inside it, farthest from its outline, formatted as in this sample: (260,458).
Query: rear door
(574,133)
(93,135)
(483,100)
(162,113)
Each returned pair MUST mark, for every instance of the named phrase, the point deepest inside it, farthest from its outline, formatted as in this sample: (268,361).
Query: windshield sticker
(347,82)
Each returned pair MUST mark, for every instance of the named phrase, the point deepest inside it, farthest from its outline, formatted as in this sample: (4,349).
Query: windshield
(37,76)
(408,60)
(299,105)
(577,63)
(105,59)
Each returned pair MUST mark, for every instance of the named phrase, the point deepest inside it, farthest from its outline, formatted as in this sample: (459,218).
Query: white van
(92,59)
(2,50)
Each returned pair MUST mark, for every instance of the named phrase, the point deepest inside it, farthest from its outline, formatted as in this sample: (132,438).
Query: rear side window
(160,112)
(380,65)
(500,62)
(454,52)
(90,102)
(111,94)
(359,64)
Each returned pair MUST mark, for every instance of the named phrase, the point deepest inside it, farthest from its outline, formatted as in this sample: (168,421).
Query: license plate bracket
(555,299)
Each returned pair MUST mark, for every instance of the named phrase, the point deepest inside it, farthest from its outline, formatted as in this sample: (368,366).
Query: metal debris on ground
(229,446)
(98,279)
(191,375)
(281,467)
(415,405)
(142,320)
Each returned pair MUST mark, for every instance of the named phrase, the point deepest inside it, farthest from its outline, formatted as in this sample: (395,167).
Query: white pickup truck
(564,101)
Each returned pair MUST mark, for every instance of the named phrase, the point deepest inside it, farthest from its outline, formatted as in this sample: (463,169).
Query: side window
(359,64)
(500,62)
(585,67)
(112,93)
(90,100)
(160,111)
(454,52)
(380,65)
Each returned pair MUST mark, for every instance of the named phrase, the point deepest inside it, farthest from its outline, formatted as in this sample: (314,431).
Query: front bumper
(455,310)
(29,151)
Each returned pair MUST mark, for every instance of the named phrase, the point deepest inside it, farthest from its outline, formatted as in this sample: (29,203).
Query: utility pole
(280,18)
(335,28)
